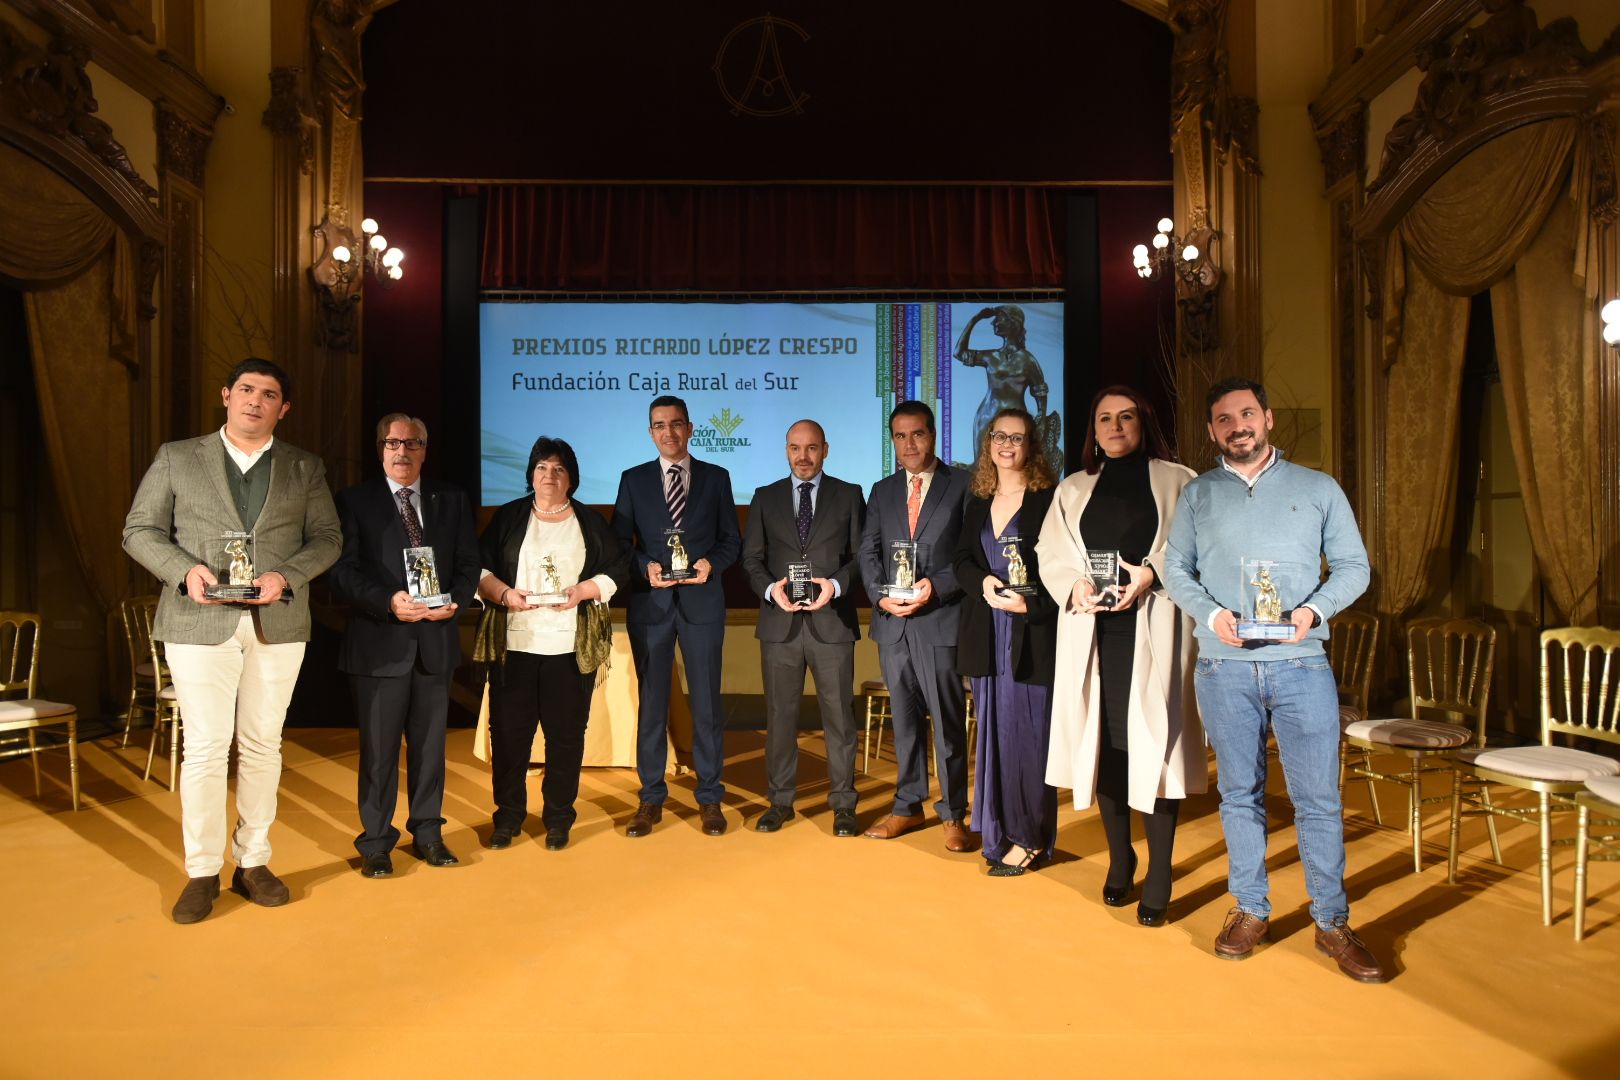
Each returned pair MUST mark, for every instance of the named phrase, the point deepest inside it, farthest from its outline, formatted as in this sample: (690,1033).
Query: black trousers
(412,705)
(551,693)
(833,666)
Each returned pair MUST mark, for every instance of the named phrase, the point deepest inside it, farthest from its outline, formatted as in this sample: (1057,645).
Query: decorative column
(1217,177)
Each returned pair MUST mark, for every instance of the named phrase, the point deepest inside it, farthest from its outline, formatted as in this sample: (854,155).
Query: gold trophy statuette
(679,563)
(1267,604)
(241,568)
(904,577)
(1017,572)
(427,577)
(550,580)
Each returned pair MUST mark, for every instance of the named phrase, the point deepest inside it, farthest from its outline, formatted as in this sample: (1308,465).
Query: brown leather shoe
(647,815)
(957,837)
(894,825)
(1353,957)
(1242,932)
(259,885)
(714,822)
(196,899)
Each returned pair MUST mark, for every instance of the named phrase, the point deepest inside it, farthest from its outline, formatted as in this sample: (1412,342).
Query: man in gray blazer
(234,664)
(921,502)
(807,523)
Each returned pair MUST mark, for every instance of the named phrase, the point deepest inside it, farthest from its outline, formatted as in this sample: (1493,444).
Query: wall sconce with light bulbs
(339,272)
(1189,262)
(1611,322)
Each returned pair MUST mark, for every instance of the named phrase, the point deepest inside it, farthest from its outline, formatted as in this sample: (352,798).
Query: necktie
(804,514)
(407,514)
(914,505)
(675,496)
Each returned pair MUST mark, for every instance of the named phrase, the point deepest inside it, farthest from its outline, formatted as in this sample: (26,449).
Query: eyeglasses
(409,444)
(1002,438)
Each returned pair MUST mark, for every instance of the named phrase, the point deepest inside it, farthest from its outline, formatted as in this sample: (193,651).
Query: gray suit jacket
(938,524)
(772,541)
(184,500)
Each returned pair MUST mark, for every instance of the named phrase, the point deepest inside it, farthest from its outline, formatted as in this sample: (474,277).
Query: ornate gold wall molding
(1344,146)
(124,55)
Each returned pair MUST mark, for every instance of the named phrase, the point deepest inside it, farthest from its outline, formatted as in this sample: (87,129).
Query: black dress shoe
(436,854)
(1151,916)
(774,818)
(501,837)
(197,899)
(556,838)
(1117,895)
(377,864)
(844,823)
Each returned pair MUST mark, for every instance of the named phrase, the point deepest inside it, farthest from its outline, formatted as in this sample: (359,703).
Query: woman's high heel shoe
(1151,916)
(1024,865)
(1116,895)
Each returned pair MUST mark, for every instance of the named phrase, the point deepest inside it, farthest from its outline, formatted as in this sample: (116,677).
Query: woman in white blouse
(544,555)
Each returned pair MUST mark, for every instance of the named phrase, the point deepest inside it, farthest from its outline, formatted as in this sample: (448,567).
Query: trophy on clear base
(800,589)
(551,587)
(230,555)
(422,578)
(1103,570)
(903,563)
(679,567)
(1017,570)
(1261,618)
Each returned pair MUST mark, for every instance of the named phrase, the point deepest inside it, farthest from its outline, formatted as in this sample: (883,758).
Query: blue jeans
(1301,702)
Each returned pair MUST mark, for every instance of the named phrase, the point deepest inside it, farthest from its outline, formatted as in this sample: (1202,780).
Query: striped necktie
(675,496)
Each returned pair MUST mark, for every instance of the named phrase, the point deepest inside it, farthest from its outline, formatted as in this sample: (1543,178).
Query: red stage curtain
(725,238)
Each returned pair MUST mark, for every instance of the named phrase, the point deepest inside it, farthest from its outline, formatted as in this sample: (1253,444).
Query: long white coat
(1166,741)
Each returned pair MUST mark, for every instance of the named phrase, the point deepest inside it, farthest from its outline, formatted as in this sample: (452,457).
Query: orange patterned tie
(914,505)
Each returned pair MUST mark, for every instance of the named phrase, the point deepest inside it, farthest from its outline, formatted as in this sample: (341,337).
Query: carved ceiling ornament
(49,89)
(182,145)
(1344,146)
(1503,53)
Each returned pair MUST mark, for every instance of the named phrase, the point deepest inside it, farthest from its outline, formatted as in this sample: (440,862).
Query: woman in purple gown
(1007,642)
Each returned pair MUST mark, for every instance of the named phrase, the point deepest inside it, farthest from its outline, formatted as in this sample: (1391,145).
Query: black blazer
(772,541)
(1034,636)
(502,543)
(640,517)
(372,569)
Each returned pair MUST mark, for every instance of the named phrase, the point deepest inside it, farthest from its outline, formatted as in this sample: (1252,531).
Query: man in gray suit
(921,502)
(806,524)
(234,664)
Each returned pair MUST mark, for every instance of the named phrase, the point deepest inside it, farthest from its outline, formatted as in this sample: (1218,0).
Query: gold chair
(1352,645)
(167,710)
(1603,795)
(1578,698)
(137,613)
(876,693)
(878,710)
(19,669)
(1449,675)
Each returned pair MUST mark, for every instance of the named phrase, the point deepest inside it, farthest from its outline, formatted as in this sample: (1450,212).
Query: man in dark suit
(920,502)
(674,491)
(812,520)
(399,653)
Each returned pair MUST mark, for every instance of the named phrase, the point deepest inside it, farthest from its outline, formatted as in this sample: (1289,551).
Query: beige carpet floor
(786,955)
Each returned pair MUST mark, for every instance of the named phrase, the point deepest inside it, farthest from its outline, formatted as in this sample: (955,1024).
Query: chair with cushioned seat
(1352,645)
(1602,794)
(19,669)
(1449,676)
(137,613)
(1580,697)
(167,703)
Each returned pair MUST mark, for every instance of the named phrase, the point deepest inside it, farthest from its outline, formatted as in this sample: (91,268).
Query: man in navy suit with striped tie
(672,492)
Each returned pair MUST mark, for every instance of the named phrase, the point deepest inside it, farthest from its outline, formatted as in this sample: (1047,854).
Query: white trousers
(238,688)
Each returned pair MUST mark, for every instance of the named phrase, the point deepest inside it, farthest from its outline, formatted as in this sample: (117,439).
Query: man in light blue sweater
(1256,506)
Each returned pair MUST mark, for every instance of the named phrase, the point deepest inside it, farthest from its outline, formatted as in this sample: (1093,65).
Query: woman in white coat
(1125,727)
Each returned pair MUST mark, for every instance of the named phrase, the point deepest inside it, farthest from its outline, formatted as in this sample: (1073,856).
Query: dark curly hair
(546,448)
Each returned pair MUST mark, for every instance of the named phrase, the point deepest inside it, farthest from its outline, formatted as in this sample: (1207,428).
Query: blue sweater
(1291,515)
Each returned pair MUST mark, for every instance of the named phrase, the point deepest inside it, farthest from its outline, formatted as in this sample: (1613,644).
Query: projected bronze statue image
(1012,372)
